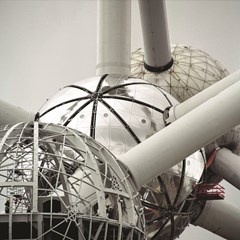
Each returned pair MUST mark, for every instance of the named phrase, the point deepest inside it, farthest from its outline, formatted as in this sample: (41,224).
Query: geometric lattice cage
(192,71)
(57,183)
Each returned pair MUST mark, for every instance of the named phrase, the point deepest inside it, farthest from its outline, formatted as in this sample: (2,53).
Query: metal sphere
(120,113)
(57,183)
(193,70)
(117,112)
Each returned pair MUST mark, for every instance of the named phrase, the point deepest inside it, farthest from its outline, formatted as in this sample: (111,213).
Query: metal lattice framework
(192,71)
(57,183)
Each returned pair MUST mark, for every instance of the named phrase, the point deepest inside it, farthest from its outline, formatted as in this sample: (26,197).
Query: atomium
(120,113)
(57,183)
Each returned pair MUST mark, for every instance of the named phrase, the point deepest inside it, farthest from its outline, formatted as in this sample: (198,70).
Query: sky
(45,45)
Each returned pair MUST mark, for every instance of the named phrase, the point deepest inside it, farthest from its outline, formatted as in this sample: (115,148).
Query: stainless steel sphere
(120,113)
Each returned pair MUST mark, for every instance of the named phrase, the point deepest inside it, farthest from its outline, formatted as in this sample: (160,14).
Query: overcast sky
(45,45)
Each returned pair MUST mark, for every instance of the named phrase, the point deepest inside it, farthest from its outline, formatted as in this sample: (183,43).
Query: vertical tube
(227,166)
(184,136)
(114,37)
(10,216)
(35,169)
(221,218)
(157,51)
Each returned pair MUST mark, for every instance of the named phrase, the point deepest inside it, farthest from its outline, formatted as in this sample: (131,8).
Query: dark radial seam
(63,103)
(133,100)
(181,182)
(76,112)
(125,85)
(95,106)
(131,132)
(80,88)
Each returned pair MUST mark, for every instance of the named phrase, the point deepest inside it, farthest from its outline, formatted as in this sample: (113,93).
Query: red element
(210,191)
(212,158)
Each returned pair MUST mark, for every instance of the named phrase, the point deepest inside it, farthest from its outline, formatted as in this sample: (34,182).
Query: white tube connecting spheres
(193,102)
(157,51)
(227,166)
(184,136)
(10,114)
(114,37)
(221,218)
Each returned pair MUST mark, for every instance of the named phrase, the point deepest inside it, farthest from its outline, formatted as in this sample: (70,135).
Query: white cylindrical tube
(227,166)
(157,51)
(10,114)
(114,37)
(184,136)
(221,218)
(193,102)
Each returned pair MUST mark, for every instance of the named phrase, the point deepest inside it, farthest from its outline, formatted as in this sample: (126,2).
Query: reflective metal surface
(120,113)
(118,116)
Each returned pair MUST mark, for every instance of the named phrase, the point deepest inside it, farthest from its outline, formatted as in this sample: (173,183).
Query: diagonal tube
(227,166)
(184,136)
(221,218)
(157,51)
(181,109)
(10,114)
